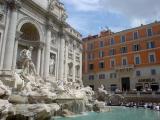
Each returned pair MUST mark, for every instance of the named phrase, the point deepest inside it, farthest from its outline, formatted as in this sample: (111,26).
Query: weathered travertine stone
(18,99)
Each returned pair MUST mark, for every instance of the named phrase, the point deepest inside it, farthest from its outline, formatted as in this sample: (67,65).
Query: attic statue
(52,3)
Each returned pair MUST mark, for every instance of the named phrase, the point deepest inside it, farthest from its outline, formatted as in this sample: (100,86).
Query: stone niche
(52,64)
(30,37)
(1,11)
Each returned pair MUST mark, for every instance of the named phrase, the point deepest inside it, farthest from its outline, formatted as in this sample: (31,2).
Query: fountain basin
(118,113)
(74,105)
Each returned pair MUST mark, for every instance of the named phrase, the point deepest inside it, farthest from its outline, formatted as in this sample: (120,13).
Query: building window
(138,73)
(153,72)
(90,46)
(152,58)
(113,75)
(101,44)
(112,63)
(123,50)
(77,68)
(149,32)
(112,52)
(70,69)
(150,45)
(101,76)
(124,61)
(135,35)
(91,66)
(101,54)
(91,77)
(137,60)
(90,56)
(136,47)
(112,41)
(101,65)
(123,39)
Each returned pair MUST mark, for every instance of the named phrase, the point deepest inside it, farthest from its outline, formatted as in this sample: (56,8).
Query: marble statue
(28,66)
(29,94)
(102,90)
(52,3)
(52,65)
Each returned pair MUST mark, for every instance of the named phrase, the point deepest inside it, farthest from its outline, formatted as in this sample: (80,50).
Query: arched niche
(30,36)
(29,32)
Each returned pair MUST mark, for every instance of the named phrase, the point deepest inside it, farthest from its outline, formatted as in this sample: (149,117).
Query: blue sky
(89,17)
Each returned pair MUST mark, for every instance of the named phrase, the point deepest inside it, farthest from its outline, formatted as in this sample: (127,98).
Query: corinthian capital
(14,4)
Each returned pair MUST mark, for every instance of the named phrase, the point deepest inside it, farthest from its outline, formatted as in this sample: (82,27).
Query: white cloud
(83,5)
(137,11)
(136,22)
(117,28)
(133,9)
(78,23)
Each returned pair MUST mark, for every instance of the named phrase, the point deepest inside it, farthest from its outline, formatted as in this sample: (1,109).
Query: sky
(90,17)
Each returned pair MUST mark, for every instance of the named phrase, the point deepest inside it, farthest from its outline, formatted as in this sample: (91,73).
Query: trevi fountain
(40,62)
(41,65)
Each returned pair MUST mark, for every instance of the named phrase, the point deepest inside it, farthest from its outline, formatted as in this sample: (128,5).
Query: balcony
(122,68)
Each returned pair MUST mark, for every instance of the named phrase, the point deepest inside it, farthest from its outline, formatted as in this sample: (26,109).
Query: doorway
(154,86)
(125,84)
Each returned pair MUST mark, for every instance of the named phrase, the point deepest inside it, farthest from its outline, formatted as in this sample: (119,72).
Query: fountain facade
(41,61)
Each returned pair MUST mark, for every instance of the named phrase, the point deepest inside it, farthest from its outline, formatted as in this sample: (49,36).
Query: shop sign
(147,80)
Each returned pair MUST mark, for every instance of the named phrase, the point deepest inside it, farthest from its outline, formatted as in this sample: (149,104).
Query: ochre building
(126,60)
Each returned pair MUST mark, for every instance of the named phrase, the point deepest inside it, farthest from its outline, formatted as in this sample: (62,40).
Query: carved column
(38,60)
(80,72)
(47,51)
(42,62)
(10,41)
(18,34)
(61,57)
(66,59)
(5,37)
(74,61)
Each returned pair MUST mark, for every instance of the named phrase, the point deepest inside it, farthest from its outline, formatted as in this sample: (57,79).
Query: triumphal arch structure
(57,47)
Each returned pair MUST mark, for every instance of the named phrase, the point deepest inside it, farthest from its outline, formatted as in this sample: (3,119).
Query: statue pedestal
(7,77)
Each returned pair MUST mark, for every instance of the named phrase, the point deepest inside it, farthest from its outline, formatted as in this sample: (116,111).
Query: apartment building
(126,60)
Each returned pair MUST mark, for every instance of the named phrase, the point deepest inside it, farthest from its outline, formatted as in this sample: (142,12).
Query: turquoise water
(119,113)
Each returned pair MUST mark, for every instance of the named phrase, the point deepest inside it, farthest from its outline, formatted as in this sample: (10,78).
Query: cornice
(73,37)
(44,12)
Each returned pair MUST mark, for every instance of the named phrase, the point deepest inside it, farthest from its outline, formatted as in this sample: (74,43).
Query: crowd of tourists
(152,106)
